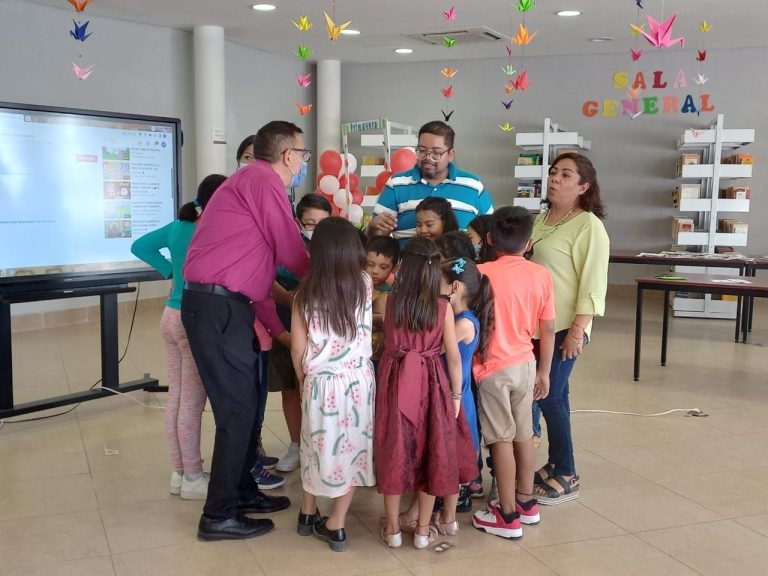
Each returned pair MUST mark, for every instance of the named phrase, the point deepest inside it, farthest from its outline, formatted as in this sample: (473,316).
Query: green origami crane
(525,5)
(303,52)
(448,41)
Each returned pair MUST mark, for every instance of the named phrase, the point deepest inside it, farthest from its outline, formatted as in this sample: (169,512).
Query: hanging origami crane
(521,82)
(509,70)
(79,31)
(702,55)
(506,127)
(507,105)
(334,30)
(509,88)
(639,4)
(447,115)
(705,27)
(78,5)
(450,14)
(525,5)
(636,54)
(448,72)
(700,79)
(303,52)
(303,24)
(636,30)
(448,42)
(660,32)
(304,80)
(523,38)
(303,109)
(81,73)
(447,92)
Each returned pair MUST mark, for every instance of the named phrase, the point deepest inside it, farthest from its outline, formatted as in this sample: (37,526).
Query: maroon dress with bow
(417,443)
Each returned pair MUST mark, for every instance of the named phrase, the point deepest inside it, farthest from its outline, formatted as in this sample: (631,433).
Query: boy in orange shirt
(508,379)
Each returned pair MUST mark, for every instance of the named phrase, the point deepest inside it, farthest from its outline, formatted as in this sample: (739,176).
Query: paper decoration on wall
(525,5)
(447,115)
(79,5)
(81,73)
(450,14)
(334,30)
(506,127)
(303,24)
(523,37)
(661,32)
(705,27)
(303,109)
(78,33)
(304,80)
(448,72)
(303,52)
(636,54)
(448,42)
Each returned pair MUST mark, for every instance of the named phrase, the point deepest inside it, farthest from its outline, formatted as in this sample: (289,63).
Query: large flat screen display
(77,187)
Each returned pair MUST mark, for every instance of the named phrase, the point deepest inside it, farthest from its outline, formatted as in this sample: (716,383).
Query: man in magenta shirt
(246,233)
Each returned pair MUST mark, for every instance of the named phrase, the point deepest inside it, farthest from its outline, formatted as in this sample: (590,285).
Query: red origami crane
(521,82)
(447,92)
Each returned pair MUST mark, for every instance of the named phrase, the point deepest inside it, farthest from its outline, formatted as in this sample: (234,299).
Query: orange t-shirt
(523,296)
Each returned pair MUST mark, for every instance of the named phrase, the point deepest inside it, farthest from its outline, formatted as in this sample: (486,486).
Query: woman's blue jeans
(556,409)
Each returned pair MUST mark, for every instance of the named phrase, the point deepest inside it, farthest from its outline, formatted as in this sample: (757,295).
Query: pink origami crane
(521,82)
(660,33)
(450,14)
(636,54)
(304,80)
(81,73)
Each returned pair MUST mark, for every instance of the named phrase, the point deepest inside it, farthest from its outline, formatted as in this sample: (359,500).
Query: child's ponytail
(483,308)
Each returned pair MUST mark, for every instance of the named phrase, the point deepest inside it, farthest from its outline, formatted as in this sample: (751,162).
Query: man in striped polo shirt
(434,175)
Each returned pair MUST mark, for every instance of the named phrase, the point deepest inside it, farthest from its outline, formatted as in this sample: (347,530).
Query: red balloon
(342,181)
(335,210)
(354,181)
(357,196)
(330,162)
(382,178)
(402,160)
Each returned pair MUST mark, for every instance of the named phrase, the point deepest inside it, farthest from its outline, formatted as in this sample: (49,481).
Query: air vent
(462,36)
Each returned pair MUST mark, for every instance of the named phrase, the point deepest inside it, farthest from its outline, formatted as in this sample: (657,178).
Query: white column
(210,105)
(328,106)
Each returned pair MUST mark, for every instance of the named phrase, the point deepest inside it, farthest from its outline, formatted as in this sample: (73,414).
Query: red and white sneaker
(492,522)
(529,511)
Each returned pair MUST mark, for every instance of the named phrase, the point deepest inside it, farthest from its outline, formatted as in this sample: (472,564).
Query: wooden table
(745,288)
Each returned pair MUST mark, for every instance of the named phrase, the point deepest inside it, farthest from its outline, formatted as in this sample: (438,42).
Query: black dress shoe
(238,528)
(260,503)
(337,539)
(306,521)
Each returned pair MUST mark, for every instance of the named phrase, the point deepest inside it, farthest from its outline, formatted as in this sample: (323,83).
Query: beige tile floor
(86,493)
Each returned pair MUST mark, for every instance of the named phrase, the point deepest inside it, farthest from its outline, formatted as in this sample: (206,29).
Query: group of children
(460,304)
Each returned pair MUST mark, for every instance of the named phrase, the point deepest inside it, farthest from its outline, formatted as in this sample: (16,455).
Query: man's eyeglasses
(435,155)
(306,153)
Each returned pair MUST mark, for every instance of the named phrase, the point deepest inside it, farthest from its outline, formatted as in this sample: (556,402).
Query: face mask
(477,248)
(241,165)
(307,233)
(297,179)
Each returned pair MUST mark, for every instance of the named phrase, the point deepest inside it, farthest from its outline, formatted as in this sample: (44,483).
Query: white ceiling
(385,23)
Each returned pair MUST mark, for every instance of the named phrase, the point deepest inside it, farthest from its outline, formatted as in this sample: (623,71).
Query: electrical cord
(76,406)
(688,411)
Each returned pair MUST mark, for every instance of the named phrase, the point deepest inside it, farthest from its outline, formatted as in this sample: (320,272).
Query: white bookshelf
(547,142)
(711,173)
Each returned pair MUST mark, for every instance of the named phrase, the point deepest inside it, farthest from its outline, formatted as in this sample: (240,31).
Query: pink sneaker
(491,522)
(529,511)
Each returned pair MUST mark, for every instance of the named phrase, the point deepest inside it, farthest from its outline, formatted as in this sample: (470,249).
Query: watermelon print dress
(336,444)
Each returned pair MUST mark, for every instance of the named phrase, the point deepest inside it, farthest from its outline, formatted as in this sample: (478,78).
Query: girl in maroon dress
(415,434)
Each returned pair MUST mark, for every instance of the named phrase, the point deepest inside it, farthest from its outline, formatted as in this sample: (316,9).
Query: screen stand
(110,366)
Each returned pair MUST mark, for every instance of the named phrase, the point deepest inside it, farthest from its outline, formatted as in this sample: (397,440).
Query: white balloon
(342,199)
(350,160)
(329,184)
(355,214)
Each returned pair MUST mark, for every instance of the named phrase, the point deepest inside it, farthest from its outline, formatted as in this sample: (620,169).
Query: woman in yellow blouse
(570,240)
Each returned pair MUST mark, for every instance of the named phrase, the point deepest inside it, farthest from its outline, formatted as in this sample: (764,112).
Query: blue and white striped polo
(404,191)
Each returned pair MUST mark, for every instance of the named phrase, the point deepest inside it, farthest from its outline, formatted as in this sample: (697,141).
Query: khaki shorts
(506,399)
(280,373)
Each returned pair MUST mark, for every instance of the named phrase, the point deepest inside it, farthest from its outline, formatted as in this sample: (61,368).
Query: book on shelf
(529,159)
(736,193)
(742,158)
(732,226)
(680,225)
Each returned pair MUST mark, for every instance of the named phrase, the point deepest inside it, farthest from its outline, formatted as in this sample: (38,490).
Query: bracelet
(579,326)
(577,340)
(456,396)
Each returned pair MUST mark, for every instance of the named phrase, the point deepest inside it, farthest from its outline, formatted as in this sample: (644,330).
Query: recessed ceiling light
(601,39)
(403,51)
(350,32)
(567,13)
(263,7)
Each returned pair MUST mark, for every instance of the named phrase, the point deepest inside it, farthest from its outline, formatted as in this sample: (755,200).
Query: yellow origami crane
(334,31)
(523,38)
(506,127)
(449,72)
(637,30)
(303,24)
(705,27)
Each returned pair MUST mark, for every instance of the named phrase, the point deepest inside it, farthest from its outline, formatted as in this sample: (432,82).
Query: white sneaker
(175,482)
(194,489)
(291,460)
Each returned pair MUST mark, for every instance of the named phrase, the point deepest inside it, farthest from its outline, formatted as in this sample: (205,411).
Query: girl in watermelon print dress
(331,352)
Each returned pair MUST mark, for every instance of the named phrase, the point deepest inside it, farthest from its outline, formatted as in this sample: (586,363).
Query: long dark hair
(416,290)
(334,290)
(480,296)
(442,207)
(483,226)
(189,212)
(590,201)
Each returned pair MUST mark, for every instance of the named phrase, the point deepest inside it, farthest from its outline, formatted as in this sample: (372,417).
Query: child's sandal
(444,529)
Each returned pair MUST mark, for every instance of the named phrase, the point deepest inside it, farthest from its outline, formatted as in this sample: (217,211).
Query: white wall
(635,160)
(143,70)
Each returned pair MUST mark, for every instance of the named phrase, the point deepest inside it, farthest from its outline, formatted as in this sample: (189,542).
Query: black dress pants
(224,346)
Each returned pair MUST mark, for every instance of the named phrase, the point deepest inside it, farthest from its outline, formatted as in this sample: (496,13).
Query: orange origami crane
(303,109)
(449,72)
(523,38)
(79,5)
